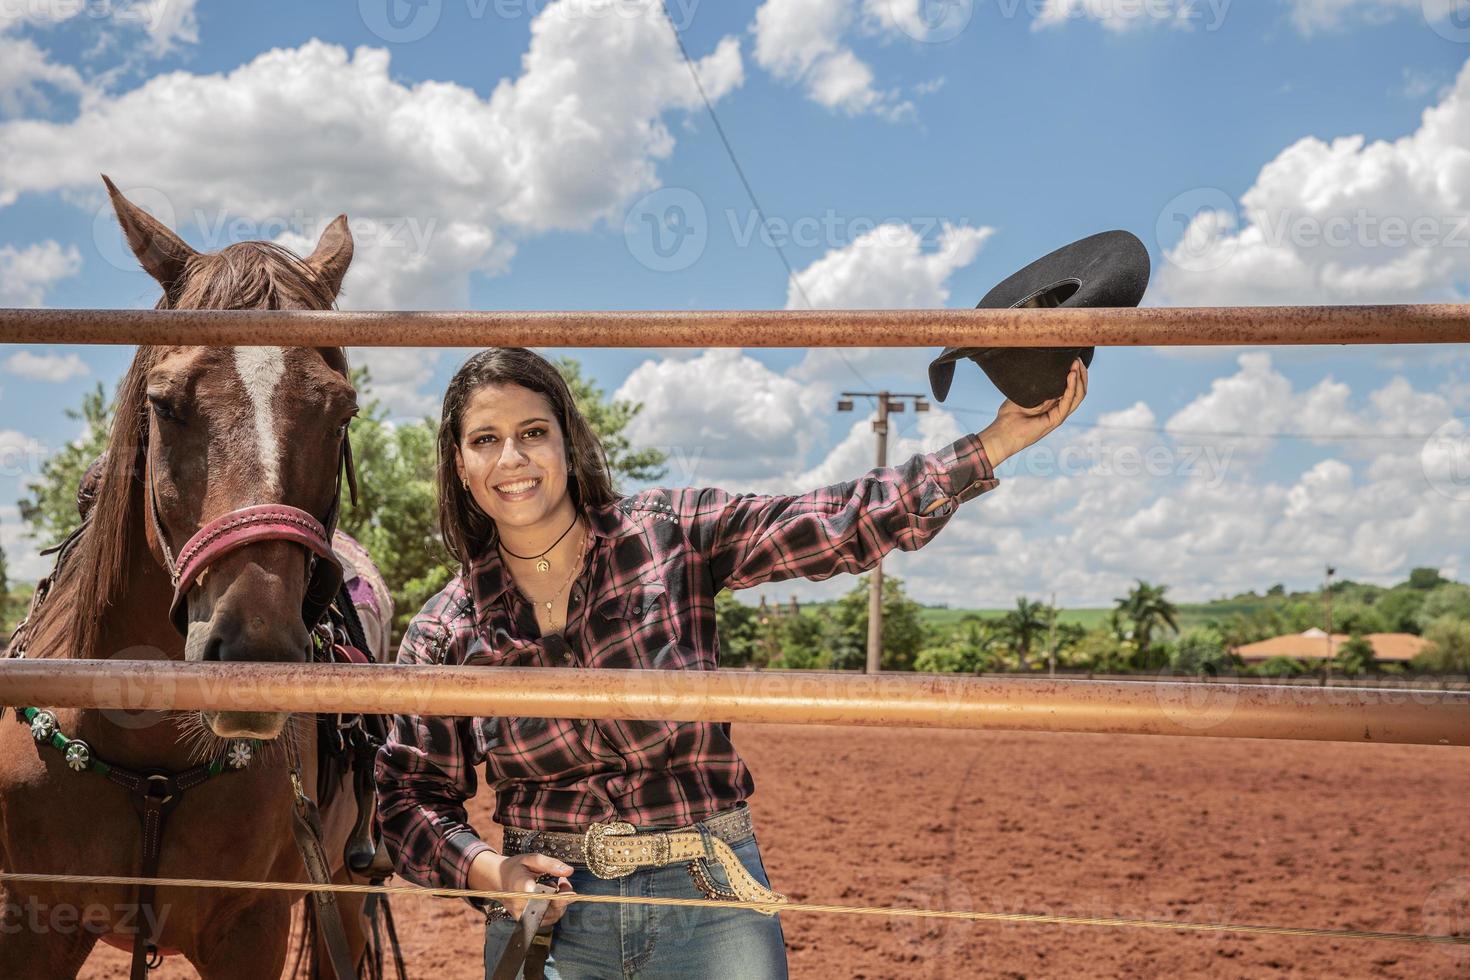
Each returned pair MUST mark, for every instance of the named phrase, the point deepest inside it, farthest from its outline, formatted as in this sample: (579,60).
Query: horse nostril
(212,648)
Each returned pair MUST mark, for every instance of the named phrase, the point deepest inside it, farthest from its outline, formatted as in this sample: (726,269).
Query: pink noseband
(272,522)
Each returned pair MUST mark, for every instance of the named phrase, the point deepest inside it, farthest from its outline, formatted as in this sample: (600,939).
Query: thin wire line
(570,897)
(1201,433)
(740,172)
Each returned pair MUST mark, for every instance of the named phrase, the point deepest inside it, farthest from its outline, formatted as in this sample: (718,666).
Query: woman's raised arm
(749,539)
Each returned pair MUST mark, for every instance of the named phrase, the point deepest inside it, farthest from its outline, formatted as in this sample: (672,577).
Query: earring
(464,483)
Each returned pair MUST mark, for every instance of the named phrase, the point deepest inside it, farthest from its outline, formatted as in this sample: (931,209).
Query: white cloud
(805,42)
(26,71)
(1311,16)
(1087,510)
(887,268)
(21,553)
(46,367)
(725,419)
(1342,222)
(166,22)
(447,179)
(1308,16)
(1123,15)
(26,273)
(397,376)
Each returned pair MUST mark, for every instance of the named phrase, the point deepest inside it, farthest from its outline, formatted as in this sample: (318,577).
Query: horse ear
(333,254)
(162,254)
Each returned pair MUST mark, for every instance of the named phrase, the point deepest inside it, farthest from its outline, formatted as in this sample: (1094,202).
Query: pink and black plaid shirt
(646,599)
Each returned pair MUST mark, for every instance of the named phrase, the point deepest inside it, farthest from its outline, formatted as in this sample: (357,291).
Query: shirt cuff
(457,854)
(964,471)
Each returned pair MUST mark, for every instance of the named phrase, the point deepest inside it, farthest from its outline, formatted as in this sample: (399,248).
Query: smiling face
(513,454)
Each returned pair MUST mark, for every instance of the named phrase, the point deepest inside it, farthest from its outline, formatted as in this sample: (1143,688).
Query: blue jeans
(597,941)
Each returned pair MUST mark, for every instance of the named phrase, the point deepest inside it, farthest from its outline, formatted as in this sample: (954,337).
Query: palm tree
(1147,608)
(1022,625)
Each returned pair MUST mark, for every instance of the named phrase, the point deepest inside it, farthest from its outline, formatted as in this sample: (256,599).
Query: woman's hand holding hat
(1016,428)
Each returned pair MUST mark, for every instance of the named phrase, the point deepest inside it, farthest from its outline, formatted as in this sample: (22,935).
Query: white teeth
(517,487)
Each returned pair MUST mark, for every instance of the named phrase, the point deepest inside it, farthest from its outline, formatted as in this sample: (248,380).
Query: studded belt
(616,849)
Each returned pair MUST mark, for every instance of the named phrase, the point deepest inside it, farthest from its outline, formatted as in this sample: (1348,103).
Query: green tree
(1426,578)
(1069,642)
(1355,617)
(803,641)
(1449,647)
(1399,608)
(4,580)
(903,634)
(968,648)
(1103,649)
(1200,650)
(397,512)
(50,504)
(1446,600)
(1280,667)
(1147,609)
(1023,627)
(608,419)
(1355,657)
(735,623)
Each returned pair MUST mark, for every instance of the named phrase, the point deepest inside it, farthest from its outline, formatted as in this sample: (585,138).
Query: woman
(558,570)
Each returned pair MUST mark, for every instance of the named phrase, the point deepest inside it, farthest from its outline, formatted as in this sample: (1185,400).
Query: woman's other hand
(1016,428)
(493,872)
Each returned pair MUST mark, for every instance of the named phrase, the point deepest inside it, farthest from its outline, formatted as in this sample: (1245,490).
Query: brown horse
(200,432)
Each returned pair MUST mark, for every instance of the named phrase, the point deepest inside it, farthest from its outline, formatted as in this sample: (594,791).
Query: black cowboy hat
(1110,269)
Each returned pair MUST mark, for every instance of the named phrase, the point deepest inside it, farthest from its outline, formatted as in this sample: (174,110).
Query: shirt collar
(490,579)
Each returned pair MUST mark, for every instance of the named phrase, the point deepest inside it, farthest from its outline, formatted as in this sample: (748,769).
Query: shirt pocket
(638,627)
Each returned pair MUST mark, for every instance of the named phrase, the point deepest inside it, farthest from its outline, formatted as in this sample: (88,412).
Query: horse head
(240,453)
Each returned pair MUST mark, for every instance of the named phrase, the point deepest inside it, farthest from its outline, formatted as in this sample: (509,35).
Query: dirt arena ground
(1336,836)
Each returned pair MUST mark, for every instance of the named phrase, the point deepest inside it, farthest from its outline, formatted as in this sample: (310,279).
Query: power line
(744,182)
(1222,433)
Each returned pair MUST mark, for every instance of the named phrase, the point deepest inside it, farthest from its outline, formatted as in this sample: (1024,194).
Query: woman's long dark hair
(468,531)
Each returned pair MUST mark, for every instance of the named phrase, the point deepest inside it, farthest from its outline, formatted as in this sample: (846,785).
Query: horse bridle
(257,522)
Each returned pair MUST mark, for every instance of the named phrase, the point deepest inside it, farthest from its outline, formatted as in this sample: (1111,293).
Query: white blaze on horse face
(260,370)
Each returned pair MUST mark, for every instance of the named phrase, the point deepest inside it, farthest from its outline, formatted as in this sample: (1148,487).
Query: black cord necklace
(542,564)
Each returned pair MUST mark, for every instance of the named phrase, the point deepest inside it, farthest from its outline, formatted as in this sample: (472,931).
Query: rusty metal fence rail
(885,700)
(1121,327)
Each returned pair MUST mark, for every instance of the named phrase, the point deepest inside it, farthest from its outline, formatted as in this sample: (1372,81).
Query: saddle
(351,742)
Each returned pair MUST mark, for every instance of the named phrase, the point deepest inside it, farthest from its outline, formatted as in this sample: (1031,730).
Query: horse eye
(163,409)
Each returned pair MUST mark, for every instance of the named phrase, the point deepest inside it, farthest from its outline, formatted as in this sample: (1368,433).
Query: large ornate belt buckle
(595,855)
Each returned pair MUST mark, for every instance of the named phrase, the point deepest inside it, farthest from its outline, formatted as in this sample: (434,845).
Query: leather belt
(616,849)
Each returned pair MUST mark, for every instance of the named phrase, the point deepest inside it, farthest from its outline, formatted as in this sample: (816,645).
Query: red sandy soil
(1324,835)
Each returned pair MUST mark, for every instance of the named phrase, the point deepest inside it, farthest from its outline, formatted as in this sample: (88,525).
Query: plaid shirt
(646,599)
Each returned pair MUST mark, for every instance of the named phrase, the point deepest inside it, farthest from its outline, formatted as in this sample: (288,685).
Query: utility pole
(887,402)
(1051,637)
(1327,594)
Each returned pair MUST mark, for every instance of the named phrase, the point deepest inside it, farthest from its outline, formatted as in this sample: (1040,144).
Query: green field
(1190,613)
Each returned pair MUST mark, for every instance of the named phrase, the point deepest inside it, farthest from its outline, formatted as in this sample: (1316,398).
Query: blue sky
(509,154)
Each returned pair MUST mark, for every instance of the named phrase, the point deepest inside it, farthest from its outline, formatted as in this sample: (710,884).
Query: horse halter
(258,522)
